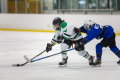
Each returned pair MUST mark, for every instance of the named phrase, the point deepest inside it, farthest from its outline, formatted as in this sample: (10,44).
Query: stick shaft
(34,57)
(51,55)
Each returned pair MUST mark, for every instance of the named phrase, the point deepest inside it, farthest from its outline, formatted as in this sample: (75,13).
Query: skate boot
(97,62)
(91,60)
(63,63)
(118,62)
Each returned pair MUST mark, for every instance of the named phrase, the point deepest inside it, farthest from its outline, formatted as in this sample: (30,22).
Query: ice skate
(63,63)
(91,60)
(97,63)
(118,62)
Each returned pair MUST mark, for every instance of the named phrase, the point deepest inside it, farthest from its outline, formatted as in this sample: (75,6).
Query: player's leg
(99,46)
(65,45)
(98,54)
(114,49)
(82,52)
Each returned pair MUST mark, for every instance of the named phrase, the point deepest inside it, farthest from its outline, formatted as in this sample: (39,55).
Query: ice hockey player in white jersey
(66,34)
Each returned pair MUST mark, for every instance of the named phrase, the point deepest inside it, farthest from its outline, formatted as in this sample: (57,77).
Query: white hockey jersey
(67,31)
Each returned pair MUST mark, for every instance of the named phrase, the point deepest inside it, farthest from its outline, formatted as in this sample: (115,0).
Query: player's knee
(64,46)
(79,47)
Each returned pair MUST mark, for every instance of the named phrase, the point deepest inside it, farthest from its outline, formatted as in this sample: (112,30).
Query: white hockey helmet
(88,23)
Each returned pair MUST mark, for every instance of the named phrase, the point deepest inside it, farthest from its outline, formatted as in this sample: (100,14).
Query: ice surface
(14,45)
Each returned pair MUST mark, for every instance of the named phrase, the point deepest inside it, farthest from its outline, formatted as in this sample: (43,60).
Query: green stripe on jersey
(65,37)
(64,53)
(78,36)
(63,24)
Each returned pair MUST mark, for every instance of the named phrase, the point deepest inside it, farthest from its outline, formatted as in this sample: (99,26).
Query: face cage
(56,28)
(86,26)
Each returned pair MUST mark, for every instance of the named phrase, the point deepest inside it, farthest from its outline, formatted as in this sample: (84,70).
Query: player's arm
(82,29)
(66,35)
(91,34)
(53,41)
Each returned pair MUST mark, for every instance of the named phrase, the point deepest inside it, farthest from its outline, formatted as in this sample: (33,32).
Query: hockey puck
(16,65)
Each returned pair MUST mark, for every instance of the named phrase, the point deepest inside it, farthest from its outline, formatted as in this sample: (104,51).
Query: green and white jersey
(67,31)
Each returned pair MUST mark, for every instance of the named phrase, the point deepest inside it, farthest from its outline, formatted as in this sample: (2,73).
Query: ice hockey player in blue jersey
(97,31)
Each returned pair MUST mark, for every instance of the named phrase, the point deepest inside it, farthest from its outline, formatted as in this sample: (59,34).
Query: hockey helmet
(89,23)
(56,23)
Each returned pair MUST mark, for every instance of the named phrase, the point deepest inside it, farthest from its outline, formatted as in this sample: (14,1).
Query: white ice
(14,45)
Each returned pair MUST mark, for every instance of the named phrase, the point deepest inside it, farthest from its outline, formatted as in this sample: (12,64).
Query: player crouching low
(66,34)
(106,33)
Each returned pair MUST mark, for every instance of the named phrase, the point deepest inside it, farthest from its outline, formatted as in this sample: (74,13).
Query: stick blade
(28,60)
(16,65)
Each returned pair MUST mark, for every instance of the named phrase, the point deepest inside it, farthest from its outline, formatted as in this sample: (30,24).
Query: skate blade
(65,65)
(99,65)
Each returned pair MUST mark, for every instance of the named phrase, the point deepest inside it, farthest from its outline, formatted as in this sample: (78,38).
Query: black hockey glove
(59,39)
(49,47)
(76,30)
(79,47)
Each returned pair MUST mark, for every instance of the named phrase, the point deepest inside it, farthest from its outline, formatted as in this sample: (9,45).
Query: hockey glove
(79,47)
(76,30)
(49,47)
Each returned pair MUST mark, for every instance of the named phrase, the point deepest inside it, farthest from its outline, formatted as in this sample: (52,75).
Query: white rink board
(44,21)
(14,45)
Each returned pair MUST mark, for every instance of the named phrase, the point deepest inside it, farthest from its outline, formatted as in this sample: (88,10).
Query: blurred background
(60,6)
(37,15)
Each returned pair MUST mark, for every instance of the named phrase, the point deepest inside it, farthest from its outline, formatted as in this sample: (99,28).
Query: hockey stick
(28,60)
(18,65)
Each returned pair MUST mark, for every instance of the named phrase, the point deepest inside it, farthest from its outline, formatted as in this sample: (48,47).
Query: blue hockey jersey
(96,31)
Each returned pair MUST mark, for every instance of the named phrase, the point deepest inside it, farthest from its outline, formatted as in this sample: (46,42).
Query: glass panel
(31,6)
(115,6)
(78,6)
(39,6)
(55,4)
(90,4)
(65,4)
(47,4)
(103,11)
(20,6)
(65,12)
(103,4)
(90,7)
(50,6)
(11,6)
(78,12)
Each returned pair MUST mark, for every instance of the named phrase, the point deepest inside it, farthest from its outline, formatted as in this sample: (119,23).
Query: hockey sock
(115,50)
(84,54)
(99,51)
(64,55)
